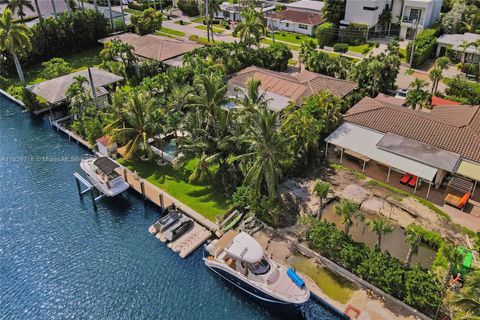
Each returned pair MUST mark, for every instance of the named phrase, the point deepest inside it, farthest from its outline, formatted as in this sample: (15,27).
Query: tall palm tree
(252,98)
(251,28)
(321,189)
(414,239)
(266,149)
(180,97)
(55,14)
(112,25)
(436,75)
(213,8)
(14,38)
(380,227)
(417,96)
(348,210)
(37,7)
(455,259)
(19,6)
(134,125)
(306,49)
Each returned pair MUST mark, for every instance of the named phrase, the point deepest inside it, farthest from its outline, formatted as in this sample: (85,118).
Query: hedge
(188,7)
(413,285)
(354,34)
(326,34)
(425,45)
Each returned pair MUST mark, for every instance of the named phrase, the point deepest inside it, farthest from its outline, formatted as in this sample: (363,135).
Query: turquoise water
(59,259)
(168,147)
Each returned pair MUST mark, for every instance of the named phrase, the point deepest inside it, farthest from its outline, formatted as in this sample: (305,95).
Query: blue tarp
(295,278)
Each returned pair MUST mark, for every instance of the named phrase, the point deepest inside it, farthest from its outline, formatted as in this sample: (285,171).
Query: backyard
(205,198)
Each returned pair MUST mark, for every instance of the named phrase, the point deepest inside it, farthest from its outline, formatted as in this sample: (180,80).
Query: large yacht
(239,259)
(101,173)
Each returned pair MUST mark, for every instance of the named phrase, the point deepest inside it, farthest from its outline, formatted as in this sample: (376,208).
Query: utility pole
(207,20)
(414,38)
(273,30)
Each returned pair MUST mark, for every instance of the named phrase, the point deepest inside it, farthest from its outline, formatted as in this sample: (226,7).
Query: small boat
(101,173)
(178,229)
(167,221)
(240,260)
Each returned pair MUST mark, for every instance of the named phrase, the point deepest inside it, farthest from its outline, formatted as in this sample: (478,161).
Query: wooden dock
(71,135)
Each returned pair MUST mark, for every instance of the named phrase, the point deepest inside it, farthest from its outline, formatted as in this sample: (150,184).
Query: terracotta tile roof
(294,87)
(302,17)
(437,101)
(455,129)
(155,47)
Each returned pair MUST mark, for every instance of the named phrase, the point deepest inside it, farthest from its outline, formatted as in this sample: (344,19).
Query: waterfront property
(281,89)
(300,17)
(54,91)
(435,154)
(459,45)
(167,50)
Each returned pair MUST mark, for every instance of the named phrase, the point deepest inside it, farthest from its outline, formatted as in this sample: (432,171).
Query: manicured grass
(291,46)
(171,32)
(185,23)
(292,37)
(132,11)
(198,19)
(205,198)
(78,61)
(363,49)
(215,29)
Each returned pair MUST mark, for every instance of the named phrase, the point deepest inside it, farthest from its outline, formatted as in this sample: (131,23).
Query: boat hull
(248,288)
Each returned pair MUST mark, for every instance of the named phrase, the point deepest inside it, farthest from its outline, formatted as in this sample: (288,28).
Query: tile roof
(439,102)
(454,128)
(155,47)
(54,90)
(302,17)
(294,87)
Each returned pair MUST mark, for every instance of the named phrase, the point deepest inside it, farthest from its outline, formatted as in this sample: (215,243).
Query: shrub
(55,67)
(4,82)
(22,94)
(424,46)
(354,34)
(415,286)
(463,91)
(188,7)
(147,22)
(340,47)
(325,34)
(365,50)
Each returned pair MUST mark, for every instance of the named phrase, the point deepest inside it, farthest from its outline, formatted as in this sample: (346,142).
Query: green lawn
(132,11)
(403,54)
(78,61)
(215,29)
(292,37)
(204,198)
(291,46)
(363,49)
(170,32)
(198,19)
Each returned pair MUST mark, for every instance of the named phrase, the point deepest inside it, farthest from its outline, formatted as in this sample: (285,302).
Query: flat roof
(364,141)
(54,90)
(468,169)
(419,151)
(306,4)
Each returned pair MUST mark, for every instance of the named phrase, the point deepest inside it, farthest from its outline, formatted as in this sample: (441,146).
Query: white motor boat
(239,259)
(101,173)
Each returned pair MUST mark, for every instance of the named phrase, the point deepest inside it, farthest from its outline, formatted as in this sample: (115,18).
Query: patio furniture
(406,178)
(457,201)
(413,181)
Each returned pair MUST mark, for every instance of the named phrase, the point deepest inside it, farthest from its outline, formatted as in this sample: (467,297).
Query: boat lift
(88,188)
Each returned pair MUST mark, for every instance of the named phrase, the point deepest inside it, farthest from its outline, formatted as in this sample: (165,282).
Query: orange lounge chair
(406,178)
(456,201)
(413,181)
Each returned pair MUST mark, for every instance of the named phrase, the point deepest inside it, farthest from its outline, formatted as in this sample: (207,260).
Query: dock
(57,124)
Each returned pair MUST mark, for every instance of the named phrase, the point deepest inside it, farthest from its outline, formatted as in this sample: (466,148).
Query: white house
(231,11)
(300,17)
(457,43)
(407,14)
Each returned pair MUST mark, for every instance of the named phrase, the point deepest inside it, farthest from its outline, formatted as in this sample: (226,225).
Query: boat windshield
(261,267)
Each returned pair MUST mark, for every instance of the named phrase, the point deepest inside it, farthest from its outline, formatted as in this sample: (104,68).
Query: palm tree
(213,8)
(14,38)
(111,15)
(266,146)
(455,259)
(414,239)
(468,298)
(40,17)
(54,9)
(436,75)
(180,97)
(380,227)
(19,6)
(251,28)
(347,210)
(417,96)
(321,189)
(306,48)
(134,125)
(251,97)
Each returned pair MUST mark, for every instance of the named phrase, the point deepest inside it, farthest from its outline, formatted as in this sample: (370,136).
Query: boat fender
(295,278)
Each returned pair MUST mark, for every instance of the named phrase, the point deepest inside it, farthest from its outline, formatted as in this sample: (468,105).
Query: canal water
(393,242)
(59,259)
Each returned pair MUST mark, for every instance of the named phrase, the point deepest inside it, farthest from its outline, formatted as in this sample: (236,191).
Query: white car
(401,94)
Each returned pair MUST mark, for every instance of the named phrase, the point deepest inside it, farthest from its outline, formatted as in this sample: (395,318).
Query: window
(303,26)
(415,14)
(287,24)
(370,8)
(261,267)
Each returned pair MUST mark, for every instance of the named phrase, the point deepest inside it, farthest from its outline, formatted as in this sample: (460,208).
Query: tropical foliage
(55,67)
(251,28)
(147,22)
(418,96)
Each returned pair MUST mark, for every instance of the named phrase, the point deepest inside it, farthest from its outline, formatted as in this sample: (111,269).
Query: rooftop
(54,90)
(306,4)
(293,15)
(292,87)
(451,128)
(155,47)
(457,40)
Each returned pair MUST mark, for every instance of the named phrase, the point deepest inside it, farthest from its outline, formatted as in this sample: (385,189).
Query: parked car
(401,93)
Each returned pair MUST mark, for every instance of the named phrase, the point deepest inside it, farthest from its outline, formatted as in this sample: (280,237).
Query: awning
(468,169)
(364,141)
